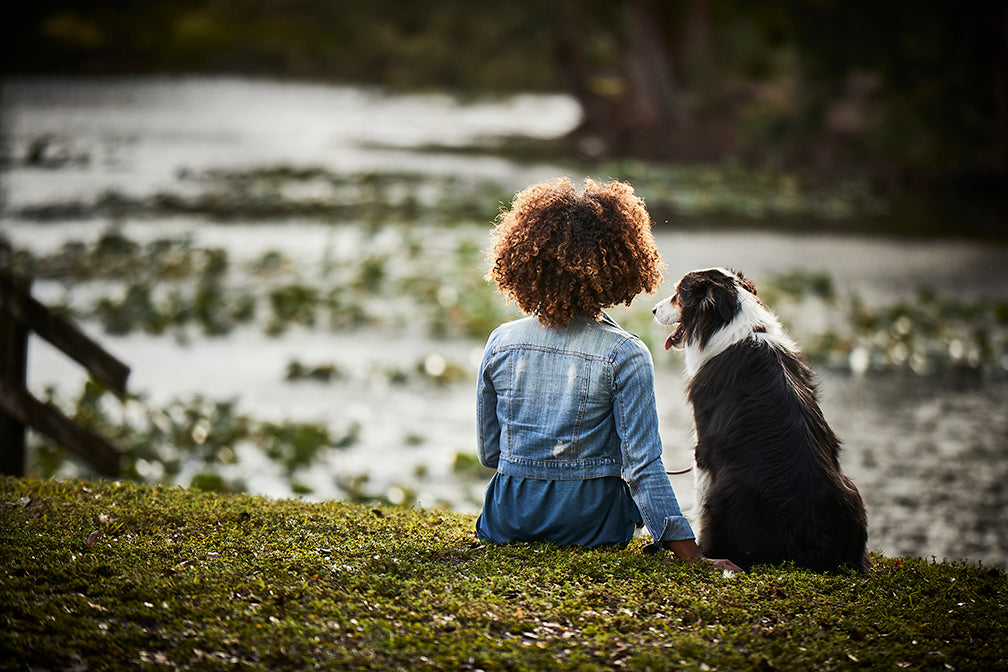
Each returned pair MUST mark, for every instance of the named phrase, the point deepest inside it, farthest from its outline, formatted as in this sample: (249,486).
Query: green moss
(121,576)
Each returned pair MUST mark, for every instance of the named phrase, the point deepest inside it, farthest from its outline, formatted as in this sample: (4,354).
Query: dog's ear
(745,283)
(723,298)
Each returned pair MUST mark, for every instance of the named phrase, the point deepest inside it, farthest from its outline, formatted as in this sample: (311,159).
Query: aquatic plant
(371,273)
(297,445)
(295,303)
(170,284)
(115,256)
(726,194)
(211,305)
(325,372)
(932,335)
(157,441)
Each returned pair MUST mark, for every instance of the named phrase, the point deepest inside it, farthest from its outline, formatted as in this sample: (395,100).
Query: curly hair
(560,254)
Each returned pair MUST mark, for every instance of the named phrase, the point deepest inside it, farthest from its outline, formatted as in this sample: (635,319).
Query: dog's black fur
(767,458)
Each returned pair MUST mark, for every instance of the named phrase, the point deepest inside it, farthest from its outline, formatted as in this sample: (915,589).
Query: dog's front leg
(701,485)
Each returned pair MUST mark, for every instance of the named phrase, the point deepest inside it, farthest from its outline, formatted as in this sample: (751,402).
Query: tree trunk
(652,112)
(648,115)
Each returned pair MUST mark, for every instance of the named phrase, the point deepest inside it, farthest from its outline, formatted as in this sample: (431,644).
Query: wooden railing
(21,314)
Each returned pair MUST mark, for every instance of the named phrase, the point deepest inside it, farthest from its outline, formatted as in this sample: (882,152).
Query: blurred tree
(918,88)
(641,95)
(937,70)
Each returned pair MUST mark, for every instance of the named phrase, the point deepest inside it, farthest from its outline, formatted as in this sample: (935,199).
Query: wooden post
(19,313)
(20,305)
(13,372)
(20,404)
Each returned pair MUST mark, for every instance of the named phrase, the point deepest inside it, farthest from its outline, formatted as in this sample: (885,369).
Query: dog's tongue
(675,337)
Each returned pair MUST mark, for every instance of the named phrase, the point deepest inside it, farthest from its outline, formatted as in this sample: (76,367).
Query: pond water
(930,454)
(136,136)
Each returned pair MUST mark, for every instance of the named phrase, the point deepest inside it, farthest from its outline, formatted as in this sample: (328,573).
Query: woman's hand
(724,565)
(687,549)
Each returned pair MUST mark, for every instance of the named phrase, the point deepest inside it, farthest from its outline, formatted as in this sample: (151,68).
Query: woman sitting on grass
(566,400)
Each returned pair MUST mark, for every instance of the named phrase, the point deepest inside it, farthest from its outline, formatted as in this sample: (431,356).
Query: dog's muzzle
(668,315)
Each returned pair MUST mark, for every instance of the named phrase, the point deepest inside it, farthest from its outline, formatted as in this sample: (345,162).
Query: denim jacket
(576,403)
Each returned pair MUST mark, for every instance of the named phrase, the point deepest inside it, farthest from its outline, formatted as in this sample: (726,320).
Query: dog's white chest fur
(701,484)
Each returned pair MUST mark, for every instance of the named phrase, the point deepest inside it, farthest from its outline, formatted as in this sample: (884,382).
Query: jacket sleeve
(641,450)
(487,426)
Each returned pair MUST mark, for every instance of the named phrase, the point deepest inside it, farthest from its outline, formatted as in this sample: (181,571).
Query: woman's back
(553,396)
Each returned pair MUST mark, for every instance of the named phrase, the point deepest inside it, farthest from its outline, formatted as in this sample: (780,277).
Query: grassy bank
(98,575)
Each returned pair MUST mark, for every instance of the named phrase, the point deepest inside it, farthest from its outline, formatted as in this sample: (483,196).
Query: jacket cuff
(676,528)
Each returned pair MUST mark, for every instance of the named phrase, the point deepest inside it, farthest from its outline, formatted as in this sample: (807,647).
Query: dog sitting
(769,484)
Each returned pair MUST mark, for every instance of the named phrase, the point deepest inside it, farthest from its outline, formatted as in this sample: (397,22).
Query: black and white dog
(769,484)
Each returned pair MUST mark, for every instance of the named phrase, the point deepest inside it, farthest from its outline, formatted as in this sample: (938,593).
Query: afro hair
(559,253)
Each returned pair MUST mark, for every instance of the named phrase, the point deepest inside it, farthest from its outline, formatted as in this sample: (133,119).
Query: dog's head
(704,303)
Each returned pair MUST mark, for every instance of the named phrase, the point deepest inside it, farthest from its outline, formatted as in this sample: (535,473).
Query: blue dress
(593,512)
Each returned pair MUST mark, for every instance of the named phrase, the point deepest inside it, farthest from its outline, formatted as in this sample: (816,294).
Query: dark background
(912,95)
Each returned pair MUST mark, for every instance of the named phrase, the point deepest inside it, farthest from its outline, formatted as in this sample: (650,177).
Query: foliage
(158,442)
(924,107)
(119,576)
(448,43)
